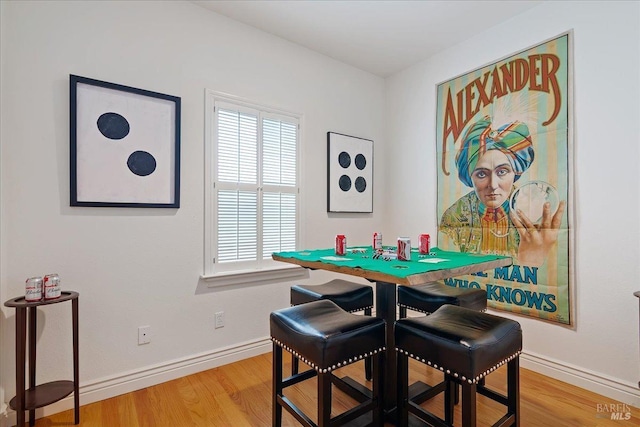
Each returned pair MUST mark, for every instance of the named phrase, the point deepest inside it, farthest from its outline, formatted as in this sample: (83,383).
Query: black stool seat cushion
(348,295)
(325,336)
(431,296)
(468,343)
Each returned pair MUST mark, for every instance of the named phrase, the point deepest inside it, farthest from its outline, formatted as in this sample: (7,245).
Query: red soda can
(341,244)
(377,241)
(33,289)
(425,241)
(404,249)
(52,286)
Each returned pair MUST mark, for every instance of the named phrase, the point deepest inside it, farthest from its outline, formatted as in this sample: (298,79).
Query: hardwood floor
(238,395)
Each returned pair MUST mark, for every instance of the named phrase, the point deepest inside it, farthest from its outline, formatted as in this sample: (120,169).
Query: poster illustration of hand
(503,135)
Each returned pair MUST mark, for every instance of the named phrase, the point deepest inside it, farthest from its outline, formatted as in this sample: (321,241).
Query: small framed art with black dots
(125,146)
(350,173)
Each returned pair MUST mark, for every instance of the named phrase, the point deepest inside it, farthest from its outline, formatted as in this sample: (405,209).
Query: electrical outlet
(144,335)
(220,319)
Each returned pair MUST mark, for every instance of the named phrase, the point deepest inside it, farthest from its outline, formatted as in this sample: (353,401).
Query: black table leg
(386,309)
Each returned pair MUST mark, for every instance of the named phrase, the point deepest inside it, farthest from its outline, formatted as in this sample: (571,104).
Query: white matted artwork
(125,146)
(350,173)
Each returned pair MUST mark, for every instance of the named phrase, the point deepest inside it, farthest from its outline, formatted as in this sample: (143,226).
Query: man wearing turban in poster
(482,221)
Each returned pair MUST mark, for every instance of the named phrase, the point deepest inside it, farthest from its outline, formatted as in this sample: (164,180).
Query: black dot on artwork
(141,163)
(361,184)
(361,161)
(344,159)
(345,183)
(113,125)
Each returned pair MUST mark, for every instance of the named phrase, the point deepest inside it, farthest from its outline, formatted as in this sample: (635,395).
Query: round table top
(637,294)
(20,302)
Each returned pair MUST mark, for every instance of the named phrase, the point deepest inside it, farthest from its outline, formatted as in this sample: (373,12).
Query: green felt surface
(362,257)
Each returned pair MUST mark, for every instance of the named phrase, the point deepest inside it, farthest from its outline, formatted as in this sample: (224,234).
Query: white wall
(137,267)
(602,352)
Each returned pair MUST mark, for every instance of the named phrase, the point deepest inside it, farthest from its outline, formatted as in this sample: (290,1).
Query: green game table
(359,261)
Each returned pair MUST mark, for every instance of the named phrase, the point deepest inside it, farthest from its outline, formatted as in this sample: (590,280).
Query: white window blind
(255,192)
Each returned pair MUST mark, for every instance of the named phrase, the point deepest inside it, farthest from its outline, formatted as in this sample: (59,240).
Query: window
(252,185)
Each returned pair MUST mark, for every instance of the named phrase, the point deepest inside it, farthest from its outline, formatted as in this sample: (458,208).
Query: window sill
(254,276)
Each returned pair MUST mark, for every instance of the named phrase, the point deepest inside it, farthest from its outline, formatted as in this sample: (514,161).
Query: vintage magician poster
(504,166)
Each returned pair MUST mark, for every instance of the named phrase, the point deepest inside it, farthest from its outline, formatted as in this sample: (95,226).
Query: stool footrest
(298,378)
(500,398)
(351,388)
(353,413)
(505,421)
(420,392)
(425,415)
(297,413)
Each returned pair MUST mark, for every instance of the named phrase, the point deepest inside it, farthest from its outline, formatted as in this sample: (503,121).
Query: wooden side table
(37,396)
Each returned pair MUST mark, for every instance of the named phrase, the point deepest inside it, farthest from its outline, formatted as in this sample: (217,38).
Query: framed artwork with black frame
(349,173)
(125,146)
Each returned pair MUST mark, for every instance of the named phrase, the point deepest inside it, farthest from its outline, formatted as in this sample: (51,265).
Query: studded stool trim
(475,380)
(322,369)
(413,308)
(363,308)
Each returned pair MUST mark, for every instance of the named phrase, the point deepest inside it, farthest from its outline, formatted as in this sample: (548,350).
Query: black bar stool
(466,345)
(429,297)
(349,296)
(326,338)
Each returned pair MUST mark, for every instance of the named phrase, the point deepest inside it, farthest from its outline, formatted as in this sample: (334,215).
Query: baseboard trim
(127,382)
(595,382)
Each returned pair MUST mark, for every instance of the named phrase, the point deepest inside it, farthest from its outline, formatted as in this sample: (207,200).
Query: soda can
(377,241)
(51,286)
(404,249)
(341,244)
(425,243)
(33,289)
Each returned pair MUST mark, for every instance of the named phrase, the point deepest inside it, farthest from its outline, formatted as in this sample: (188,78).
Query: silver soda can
(33,289)
(51,286)
(404,249)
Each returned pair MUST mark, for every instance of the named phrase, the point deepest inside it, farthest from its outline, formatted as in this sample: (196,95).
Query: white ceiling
(381,37)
